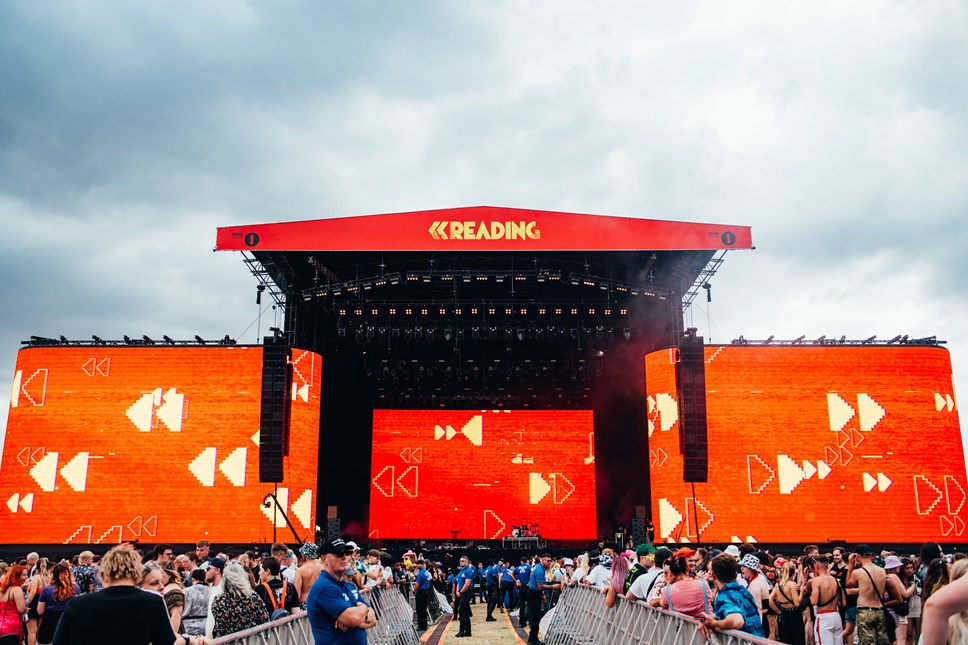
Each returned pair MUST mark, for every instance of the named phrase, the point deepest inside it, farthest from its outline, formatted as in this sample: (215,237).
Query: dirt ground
(499,632)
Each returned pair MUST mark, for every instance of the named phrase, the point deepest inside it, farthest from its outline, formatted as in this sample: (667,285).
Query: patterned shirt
(86,577)
(733,599)
(234,613)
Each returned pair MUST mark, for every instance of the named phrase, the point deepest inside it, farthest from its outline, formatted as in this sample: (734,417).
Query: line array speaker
(691,392)
(274,414)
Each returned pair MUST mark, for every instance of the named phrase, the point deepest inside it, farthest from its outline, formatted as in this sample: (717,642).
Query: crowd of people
(841,597)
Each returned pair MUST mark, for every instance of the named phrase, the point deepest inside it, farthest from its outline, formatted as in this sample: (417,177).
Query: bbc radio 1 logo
(450,230)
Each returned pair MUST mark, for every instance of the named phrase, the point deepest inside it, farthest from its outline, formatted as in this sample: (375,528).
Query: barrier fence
(394,625)
(581,617)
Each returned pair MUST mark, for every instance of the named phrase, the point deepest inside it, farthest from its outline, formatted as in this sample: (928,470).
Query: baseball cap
(218,563)
(336,546)
(569,562)
(351,544)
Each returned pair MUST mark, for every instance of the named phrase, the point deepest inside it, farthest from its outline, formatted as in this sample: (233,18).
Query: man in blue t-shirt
(522,574)
(541,580)
(734,606)
(507,586)
(490,581)
(422,585)
(337,612)
(465,589)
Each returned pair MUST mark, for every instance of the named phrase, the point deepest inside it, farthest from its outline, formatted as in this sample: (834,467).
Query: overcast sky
(129,131)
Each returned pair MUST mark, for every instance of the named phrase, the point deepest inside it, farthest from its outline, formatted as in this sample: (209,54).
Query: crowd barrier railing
(581,617)
(394,625)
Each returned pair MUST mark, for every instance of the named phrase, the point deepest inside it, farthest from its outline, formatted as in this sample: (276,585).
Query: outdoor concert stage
(485,376)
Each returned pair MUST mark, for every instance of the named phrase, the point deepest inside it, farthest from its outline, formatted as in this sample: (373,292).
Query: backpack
(278,609)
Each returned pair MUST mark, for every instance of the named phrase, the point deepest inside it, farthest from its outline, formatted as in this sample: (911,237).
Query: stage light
(63,340)
(623,311)
(97,340)
(574,311)
(226,340)
(442,311)
(870,340)
(768,340)
(709,291)
(418,333)
(798,340)
(341,332)
(557,311)
(425,278)
(127,340)
(499,278)
(369,334)
(367,286)
(820,341)
(258,293)
(147,341)
(276,332)
(894,340)
(448,333)
(520,334)
(198,339)
(627,333)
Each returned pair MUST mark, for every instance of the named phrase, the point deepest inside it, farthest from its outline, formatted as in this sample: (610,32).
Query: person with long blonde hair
(38,581)
(785,601)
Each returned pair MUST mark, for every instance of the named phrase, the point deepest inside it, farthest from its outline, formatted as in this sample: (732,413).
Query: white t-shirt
(644,584)
(578,575)
(599,577)
(374,574)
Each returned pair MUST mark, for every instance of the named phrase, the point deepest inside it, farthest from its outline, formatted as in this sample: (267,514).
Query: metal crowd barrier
(394,625)
(291,630)
(434,610)
(581,617)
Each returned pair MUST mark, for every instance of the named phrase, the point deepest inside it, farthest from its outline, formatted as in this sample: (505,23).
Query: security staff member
(465,589)
(490,578)
(542,578)
(422,585)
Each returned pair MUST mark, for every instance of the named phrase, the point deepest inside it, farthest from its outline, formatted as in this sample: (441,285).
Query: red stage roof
(479,228)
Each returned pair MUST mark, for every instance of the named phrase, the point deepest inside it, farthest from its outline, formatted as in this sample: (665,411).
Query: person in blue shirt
(422,586)
(465,589)
(451,588)
(540,581)
(734,606)
(522,574)
(507,586)
(337,612)
(490,581)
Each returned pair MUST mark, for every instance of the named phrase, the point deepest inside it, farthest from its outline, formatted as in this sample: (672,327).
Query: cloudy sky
(129,131)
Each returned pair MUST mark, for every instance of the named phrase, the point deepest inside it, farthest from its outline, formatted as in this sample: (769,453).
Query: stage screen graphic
(444,474)
(810,443)
(158,444)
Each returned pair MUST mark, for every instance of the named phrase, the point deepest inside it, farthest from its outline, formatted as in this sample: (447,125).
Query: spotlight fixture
(97,340)
(168,340)
(64,341)
(146,340)
(199,339)
(258,293)
(127,339)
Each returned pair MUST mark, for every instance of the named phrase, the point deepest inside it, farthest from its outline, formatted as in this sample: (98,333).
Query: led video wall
(810,443)
(159,444)
(444,474)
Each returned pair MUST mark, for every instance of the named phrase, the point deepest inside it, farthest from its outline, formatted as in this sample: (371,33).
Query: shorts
(850,615)
(871,626)
(914,606)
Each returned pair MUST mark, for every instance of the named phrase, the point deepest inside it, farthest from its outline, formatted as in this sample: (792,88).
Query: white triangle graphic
(438,432)
(255,438)
(538,487)
(27,503)
(74,472)
(951,406)
(451,433)
(883,482)
(839,410)
(790,474)
(474,430)
(939,402)
(172,410)
(13,501)
(871,412)
(233,466)
(141,411)
(303,393)
(869,482)
(44,472)
(668,411)
(809,469)
(203,467)
(302,508)
(823,469)
(669,517)
(751,539)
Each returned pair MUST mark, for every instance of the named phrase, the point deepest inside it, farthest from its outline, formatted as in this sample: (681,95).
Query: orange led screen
(159,444)
(483,474)
(813,443)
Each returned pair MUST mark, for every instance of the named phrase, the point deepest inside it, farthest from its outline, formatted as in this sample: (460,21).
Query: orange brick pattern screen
(158,444)
(810,443)
(482,474)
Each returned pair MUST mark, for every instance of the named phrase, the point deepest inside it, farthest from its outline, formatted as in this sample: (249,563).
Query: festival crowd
(843,597)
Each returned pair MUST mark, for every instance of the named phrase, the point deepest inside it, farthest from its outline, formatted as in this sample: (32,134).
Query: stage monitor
(813,444)
(159,444)
(470,475)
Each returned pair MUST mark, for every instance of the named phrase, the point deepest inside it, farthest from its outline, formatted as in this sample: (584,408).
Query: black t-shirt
(840,575)
(115,616)
(292,598)
(636,571)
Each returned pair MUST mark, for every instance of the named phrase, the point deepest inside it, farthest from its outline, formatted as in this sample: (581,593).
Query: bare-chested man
(825,598)
(869,580)
(308,572)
